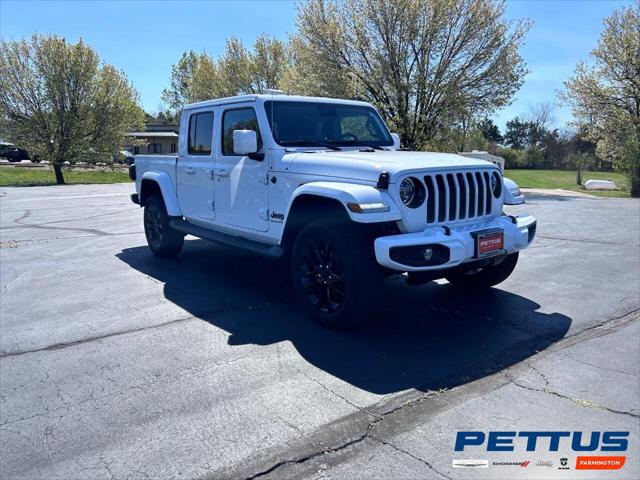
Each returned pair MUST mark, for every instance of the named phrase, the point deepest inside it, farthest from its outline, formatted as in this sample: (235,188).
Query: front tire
(485,277)
(335,274)
(161,238)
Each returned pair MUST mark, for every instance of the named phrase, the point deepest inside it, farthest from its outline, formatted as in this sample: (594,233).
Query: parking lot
(116,364)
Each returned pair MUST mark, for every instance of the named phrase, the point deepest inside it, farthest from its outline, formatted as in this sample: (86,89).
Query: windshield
(326,124)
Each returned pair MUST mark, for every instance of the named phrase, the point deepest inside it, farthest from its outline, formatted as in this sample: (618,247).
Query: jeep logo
(277,217)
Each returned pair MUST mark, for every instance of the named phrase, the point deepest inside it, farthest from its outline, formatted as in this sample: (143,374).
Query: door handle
(189,170)
(222,172)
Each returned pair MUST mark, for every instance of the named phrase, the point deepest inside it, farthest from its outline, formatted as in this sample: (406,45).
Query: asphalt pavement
(116,364)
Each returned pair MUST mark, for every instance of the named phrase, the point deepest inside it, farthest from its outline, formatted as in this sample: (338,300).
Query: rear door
(195,165)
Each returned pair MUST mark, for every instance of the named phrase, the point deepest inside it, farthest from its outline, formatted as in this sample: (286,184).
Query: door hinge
(211,204)
(263,213)
(211,174)
(264,178)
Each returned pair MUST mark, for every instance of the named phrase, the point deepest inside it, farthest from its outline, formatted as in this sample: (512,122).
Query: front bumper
(457,243)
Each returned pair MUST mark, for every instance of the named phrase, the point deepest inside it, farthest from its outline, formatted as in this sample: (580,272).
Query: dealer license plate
(489,243)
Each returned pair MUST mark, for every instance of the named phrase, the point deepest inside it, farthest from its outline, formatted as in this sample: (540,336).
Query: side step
(272,251)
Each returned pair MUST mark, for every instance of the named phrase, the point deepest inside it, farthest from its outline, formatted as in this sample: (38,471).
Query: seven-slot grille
(458,196)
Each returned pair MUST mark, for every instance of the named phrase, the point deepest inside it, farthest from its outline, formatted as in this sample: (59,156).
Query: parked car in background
(15,154)
(123,157)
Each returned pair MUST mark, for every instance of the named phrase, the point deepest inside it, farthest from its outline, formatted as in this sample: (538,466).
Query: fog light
(420,255)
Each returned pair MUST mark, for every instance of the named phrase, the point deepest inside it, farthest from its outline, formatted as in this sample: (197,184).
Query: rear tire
(485,277)
(335,274)
(161,238)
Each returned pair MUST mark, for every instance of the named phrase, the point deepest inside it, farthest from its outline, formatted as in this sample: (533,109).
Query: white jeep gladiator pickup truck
(322,183)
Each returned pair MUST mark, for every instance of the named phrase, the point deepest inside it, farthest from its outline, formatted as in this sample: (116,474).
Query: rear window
(200,133)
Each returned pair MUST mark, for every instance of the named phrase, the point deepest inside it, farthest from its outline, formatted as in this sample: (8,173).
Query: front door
(195,167)
(240,185)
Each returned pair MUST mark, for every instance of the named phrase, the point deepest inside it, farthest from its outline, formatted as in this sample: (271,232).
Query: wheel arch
(307,207)
(315,199)
(160,183)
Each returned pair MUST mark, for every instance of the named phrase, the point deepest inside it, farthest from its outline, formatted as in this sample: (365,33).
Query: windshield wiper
(358,145)
(308,143)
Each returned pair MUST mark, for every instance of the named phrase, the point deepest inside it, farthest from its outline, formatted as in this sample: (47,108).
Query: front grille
(458,196)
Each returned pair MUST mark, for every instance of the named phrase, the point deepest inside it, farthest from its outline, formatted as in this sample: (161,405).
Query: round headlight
(407,191)
(496,184)
(412,192)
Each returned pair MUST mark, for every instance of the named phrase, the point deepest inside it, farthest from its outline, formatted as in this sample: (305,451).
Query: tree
(490,131)
(517,134)
(197,76)
(59,102)
(162,118)
(539,120)
(605,94)
(424,63)
(180,91)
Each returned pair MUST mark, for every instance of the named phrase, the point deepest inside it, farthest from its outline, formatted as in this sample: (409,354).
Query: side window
(200,133)
(239,119)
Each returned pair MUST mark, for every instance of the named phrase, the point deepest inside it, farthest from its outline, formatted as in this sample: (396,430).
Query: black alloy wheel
(322,275)
(153,226)
(335,274)
(161,238)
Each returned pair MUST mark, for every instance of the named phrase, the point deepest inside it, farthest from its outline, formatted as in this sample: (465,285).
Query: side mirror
(245,142)
(396,141)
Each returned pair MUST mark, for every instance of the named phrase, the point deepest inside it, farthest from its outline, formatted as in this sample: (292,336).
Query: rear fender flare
(164,182)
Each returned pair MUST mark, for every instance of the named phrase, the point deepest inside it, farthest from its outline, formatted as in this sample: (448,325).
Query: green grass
(566,180)
(22,176)
(27,177)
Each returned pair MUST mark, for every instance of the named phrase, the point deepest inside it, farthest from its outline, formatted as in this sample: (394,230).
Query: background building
(156,139)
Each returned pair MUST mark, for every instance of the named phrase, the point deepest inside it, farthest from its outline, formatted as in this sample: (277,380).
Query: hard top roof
(267,97)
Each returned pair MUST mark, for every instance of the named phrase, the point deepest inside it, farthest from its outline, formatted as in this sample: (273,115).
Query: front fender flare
(351,193)
(166,188)
(512,194)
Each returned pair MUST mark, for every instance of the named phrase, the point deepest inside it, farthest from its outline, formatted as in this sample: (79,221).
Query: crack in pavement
(587,240)
(612,370)
(11,422)
(328,450)
(579,401)
(58,346)
(26,214)
(311,456)
(315,380)
(421,460)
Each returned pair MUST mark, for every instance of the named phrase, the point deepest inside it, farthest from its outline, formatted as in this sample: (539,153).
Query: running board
(273,251)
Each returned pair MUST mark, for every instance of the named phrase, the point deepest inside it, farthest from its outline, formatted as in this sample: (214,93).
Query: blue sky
(144,38)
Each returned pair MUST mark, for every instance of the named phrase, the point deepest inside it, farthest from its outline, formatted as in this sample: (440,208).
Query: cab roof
(261,98)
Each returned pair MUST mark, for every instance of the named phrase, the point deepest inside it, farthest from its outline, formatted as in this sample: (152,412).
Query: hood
(369,165)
